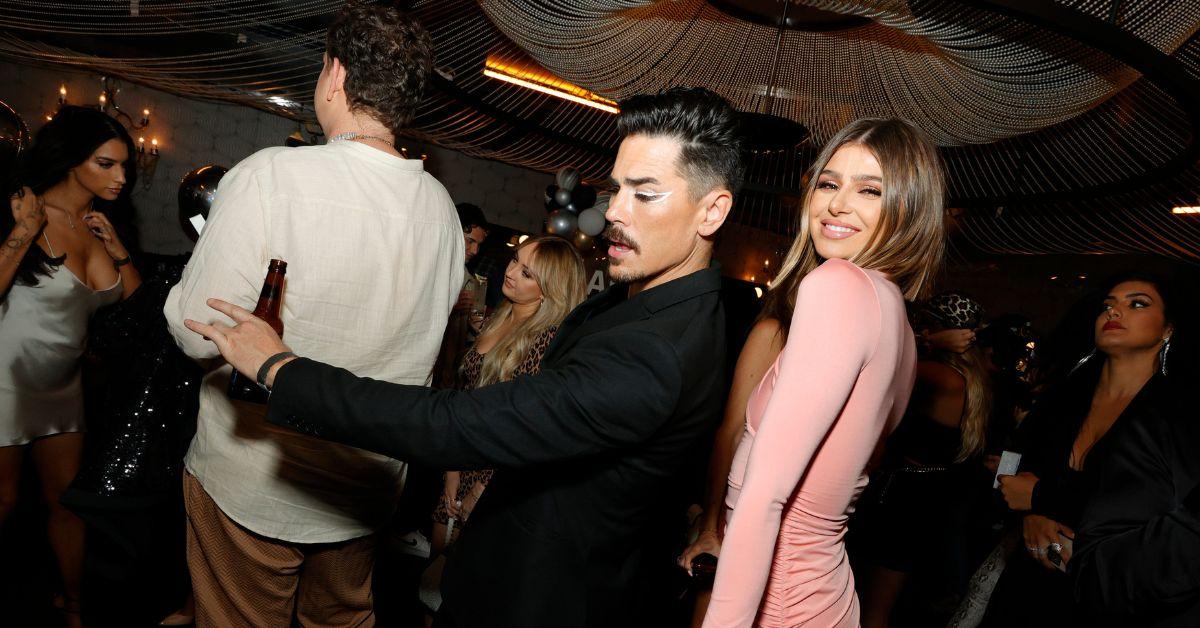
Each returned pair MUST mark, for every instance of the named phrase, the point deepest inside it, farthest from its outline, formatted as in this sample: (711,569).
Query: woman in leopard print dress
(542,284)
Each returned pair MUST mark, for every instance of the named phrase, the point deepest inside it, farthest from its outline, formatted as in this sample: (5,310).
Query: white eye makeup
(653,197)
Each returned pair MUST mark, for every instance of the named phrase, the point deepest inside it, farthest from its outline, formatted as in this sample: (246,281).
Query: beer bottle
(244,388)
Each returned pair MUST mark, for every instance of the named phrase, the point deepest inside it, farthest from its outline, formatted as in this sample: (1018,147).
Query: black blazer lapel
(600,312)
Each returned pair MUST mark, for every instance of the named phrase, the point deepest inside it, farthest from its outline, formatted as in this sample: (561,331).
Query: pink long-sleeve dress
(812,426)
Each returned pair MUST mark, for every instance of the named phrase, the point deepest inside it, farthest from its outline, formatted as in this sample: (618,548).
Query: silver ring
(1057,547)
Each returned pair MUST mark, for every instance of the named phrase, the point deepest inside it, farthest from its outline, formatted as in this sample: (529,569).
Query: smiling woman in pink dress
(871,236)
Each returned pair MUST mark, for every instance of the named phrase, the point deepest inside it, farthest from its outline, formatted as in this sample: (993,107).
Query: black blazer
(585,451)
(1137,549)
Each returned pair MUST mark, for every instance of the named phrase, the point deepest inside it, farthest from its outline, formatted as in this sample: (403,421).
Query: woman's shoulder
(943,376)
(842,283)
(839,273)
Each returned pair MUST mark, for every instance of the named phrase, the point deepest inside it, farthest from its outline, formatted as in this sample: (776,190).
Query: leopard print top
(472,365)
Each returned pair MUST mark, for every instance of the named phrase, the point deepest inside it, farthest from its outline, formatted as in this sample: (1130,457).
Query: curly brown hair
(387,56)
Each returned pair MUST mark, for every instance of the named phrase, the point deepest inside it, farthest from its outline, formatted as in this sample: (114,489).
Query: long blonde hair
(909,240)
(977,404)
(560,275)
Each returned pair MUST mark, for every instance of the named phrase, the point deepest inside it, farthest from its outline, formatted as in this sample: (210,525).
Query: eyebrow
(1130,296)
(527,268)
(857,177)
(633,182)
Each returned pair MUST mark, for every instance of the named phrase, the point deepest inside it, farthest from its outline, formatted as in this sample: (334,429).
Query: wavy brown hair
(387,55)
(909,241)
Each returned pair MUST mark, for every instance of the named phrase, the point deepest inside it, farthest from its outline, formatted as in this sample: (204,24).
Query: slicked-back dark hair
(387,56)
(471,216)
(704,123)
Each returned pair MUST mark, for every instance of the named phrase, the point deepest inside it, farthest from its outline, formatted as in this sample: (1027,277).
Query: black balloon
(197,190)
(561,223)
(571,208)
(562,197)
(583,196)
(14,138)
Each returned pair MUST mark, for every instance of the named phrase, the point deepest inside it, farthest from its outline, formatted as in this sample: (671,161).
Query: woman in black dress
(911,518)
(1065,443)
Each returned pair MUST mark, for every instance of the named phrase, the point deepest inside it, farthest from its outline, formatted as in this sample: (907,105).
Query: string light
(1185,210)
(546,83)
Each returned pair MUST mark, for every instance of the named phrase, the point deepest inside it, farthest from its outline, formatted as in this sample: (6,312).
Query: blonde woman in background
(544,281)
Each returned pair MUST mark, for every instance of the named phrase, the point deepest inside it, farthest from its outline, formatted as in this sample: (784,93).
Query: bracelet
(271,361)
(117,263)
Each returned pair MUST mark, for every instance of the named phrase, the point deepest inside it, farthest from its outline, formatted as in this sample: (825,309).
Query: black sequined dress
(142,397)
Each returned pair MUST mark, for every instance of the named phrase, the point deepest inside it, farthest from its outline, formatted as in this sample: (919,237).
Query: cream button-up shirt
(375,262)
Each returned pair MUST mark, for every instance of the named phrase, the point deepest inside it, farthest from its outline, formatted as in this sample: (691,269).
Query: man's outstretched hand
(247,344)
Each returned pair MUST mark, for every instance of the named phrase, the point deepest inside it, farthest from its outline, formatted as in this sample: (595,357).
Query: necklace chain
(70,219)
(355,135)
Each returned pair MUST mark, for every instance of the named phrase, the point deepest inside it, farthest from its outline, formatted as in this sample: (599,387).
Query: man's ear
(716,206)
(337,78)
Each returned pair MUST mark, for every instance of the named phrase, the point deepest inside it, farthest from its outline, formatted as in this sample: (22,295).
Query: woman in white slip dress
(62,259)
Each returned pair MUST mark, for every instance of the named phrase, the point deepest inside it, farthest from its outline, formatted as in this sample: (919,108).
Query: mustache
(616,235)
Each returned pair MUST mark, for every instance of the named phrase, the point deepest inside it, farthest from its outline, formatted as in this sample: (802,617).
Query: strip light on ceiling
(546,83)
(1185,210)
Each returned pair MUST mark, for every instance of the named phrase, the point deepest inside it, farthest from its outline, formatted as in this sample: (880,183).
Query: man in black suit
(588,449)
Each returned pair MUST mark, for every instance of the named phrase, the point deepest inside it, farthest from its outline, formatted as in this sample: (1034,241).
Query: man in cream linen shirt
(279,523)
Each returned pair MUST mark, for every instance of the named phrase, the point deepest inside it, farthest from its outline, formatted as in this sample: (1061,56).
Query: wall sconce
(147,162)
(108,100)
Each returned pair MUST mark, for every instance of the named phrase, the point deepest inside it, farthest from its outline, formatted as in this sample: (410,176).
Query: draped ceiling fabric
(1070,127)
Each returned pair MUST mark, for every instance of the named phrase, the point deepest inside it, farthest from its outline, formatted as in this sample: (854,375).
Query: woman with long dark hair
(1066,439)
(871,236)
(63,258)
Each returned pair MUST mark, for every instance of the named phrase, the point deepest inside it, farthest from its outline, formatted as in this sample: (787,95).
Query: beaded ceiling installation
(1068,126)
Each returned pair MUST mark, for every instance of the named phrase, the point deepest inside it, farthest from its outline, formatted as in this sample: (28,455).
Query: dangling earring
(1081,362)
(1162,355)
